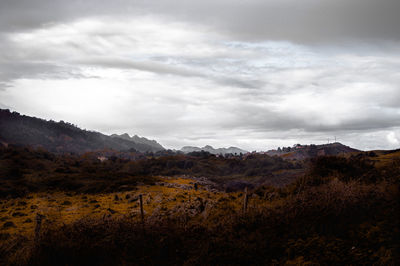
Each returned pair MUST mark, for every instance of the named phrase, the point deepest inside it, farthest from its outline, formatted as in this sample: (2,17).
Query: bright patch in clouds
(393,138)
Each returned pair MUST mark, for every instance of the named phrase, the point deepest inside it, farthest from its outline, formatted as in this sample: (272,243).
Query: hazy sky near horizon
(253,74)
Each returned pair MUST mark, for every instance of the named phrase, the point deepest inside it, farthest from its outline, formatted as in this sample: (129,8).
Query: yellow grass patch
(65,208)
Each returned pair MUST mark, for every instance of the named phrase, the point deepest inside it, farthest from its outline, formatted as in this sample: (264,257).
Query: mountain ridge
(59,137)
(141,140)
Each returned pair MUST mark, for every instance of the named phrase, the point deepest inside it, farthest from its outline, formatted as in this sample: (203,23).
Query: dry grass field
(169,195)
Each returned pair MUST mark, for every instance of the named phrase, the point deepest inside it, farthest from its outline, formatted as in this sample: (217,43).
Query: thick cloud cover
(255,74)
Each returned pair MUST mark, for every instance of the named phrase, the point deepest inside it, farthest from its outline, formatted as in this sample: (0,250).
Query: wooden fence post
(245,200)
(39,218)
(141,208)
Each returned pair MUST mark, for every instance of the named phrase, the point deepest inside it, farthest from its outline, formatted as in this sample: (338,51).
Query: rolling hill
(300,152)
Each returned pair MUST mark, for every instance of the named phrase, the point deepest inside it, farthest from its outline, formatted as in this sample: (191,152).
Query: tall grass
(334,223)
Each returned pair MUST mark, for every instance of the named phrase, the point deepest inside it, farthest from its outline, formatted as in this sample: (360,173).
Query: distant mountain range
(61,137)
(211,150)
(300,152)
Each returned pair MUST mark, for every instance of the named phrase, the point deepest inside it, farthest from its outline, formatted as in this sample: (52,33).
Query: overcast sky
(252,74)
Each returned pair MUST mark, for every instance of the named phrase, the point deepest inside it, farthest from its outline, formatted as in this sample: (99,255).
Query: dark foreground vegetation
(344,211)
(332,224)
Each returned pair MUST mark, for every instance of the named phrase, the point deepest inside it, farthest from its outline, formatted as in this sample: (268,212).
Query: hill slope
(300,152)
(60,136)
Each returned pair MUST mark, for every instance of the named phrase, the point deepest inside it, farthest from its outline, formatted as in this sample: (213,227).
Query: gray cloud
(163,68)
(149,66)
(255,74)
(307,22)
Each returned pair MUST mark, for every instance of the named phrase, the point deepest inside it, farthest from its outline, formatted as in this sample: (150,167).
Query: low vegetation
(24,170)
(342,211)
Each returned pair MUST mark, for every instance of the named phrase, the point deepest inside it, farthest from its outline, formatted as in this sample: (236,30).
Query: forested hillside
(59,137)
